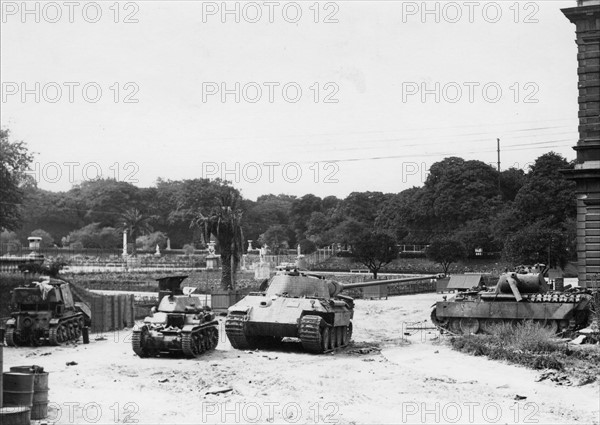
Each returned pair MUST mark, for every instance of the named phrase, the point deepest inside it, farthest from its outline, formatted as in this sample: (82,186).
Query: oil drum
(15,416)
(18,389)
(39,408)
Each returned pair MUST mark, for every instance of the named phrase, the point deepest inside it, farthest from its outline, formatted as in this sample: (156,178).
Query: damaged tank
(517,296)
(297,305)
(44,312)
(180,325)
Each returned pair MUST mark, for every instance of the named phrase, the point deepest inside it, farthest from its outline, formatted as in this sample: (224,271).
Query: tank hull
(178,328)
(480,315)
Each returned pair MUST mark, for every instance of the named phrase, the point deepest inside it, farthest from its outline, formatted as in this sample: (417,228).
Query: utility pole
(498,147)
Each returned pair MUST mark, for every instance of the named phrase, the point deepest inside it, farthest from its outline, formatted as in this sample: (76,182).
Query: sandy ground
(412,379)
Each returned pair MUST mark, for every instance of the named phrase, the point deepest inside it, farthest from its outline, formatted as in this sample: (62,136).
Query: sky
(285,97)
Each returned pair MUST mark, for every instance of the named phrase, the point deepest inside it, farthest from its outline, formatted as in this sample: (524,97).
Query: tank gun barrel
(337,287)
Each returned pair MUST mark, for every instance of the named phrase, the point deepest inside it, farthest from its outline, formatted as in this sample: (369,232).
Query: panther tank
(44,312)
(180,325)
(515,298)
(297,305)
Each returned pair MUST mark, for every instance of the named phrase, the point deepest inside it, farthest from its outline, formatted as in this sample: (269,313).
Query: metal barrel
(39,408)
(18,389)
(15,416)
(1,370)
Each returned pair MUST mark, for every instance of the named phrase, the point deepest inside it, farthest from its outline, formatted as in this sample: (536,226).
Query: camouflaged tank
(297,305)
(515,298)
(180,325)
(43,312)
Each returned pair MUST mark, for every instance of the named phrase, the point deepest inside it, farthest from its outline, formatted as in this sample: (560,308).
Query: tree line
(526,216)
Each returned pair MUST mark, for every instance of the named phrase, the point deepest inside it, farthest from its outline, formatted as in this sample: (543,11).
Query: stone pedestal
(586,174)
(212,262)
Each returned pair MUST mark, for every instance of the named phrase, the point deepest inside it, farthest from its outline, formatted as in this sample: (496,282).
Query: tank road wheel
(138,341)
(454,326)
(349,334)
(190,344)
(339,336)
(312,333)
(469,325)
(489,326)
(213,338)
(345,339)
(325,338)
(58,334)
(440,323)
(10,337)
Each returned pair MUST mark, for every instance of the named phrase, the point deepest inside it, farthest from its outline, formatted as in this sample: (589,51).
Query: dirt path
(385,377)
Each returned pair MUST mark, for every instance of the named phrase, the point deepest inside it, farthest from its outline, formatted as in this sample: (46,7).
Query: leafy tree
(547,194)
(445,251)
(374,250)
(511,181)
(300,213)
(10,241)
(350,231)
(268,210)
(177,204)
(455,192)
(14,162)
(225,224)
(477,234)
(94,236)
(47,239)
(276,238)
(363,206)
(149,242)
(136,225)
(307,246)
(538,243)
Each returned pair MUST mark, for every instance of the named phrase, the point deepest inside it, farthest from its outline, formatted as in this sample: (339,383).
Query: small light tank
(297,305)
(180,325)
(45,312)
(517,296)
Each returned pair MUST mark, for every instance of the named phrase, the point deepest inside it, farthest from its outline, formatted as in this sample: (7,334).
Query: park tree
(445,251)
(547,194)
(14,162)
(374,249)
(136,224)
(276,238)
(540,243)
(94,236)
(150,241)
(300,213)
(225,224)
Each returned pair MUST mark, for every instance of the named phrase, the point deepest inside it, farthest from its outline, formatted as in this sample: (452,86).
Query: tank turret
(300,305)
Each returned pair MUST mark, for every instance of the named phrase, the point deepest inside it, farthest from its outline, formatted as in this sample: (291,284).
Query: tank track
(200,340)
(10,337)
(466,325)
(318,337)
(234,328)
(68,329)
(136,342)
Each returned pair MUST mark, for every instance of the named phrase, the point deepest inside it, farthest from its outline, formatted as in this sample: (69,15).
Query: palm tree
(136,224)
(224,223)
